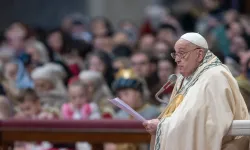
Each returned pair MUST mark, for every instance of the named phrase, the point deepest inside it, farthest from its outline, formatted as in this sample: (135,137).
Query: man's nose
(177,59)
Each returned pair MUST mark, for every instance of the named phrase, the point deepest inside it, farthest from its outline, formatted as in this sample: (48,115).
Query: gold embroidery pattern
(173,105)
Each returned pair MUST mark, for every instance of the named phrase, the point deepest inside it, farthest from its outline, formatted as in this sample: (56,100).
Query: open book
(119,103)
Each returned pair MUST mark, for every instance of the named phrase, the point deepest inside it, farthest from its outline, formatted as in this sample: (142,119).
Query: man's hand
(151,126)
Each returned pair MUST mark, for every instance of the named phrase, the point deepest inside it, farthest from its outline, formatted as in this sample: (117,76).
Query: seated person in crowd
(165,68)
(49,85)
(130,89)
(15,78)
(29,107)
(99,91)
(79,106)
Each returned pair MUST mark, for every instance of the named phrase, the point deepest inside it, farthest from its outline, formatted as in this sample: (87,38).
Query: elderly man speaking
(205,101)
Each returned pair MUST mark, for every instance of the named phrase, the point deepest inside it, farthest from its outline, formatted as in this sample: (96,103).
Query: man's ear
(201,55)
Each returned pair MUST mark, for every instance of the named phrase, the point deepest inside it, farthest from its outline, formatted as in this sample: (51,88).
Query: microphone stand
(162,90)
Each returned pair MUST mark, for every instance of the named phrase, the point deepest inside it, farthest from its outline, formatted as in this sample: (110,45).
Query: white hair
(51,72)
(93,76)
(40,48)
(100,86)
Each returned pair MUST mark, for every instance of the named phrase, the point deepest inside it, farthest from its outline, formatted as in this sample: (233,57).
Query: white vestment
(211,101)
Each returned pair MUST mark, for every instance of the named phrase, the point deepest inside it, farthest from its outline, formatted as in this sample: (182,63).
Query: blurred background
(63,59)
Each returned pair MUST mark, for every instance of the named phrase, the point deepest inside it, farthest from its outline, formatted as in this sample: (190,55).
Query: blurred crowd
(70,72)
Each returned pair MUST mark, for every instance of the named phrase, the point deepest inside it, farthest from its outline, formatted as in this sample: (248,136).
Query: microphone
(171,80)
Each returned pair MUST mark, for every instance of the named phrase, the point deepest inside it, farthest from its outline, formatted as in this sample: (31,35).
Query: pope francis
(205,101)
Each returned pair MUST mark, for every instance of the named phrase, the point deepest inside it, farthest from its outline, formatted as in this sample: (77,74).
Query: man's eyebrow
(181,51)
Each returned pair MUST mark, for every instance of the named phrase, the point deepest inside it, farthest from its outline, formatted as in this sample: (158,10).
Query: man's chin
(183,73)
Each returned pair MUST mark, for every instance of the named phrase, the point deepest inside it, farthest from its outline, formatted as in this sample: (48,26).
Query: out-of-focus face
(238,45)
(16,35)
(33,52)
(120,38)
(235,29)
(129,96)
(165,69)
(90,87)
(43,85)
(147,42)
(230,16)
(127,25)
(118,64)
(140,65)
(166,35)
(160,49)
(29,108)
(77,29)
(103,43)
(188,57)
(210,4)
(244,56)
(98,27)
(10,71)
(96,64)
(78,96)
(66,24)
(55,41)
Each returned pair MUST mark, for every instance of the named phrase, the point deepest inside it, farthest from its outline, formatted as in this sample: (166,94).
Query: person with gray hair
(37,51)
(204,102)
(48,80)
(99,91)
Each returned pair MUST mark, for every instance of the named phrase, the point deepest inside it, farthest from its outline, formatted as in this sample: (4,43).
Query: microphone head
(172,78)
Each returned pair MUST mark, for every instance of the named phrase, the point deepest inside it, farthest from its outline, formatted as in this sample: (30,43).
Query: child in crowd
(29,107)
(79,107)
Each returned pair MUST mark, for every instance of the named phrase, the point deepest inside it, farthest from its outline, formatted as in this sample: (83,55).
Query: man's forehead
(182,44)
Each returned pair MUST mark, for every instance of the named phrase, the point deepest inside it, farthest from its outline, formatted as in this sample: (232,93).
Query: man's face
(188,57)
(141,65)
(42,85)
